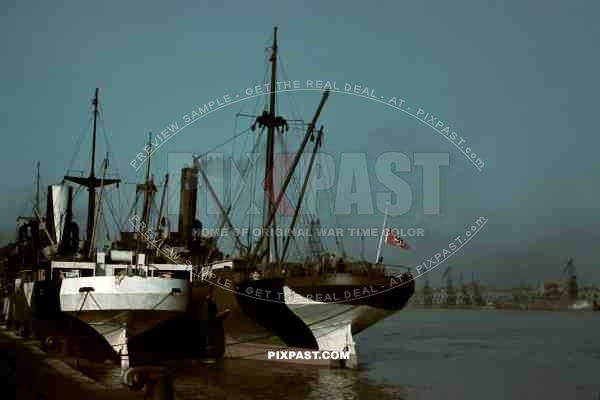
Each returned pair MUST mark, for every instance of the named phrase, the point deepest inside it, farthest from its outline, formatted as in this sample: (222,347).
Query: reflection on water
(425,354)
(245,379)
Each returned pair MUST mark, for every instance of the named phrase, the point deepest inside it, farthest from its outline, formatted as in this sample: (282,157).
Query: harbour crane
(450,294)
(569,273)
(446,277)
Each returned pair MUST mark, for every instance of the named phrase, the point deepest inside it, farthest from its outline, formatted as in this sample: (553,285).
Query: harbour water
(426,354)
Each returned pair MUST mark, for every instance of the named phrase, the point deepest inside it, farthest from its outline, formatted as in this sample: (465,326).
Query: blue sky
(517,80)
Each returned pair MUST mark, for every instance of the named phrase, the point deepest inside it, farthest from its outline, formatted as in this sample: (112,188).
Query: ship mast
(91,182)
(259,248)
(362,247)
(268,198)
(36,223)
(37,192)
(382,235)
(162,203)
(272,122)
(148,188)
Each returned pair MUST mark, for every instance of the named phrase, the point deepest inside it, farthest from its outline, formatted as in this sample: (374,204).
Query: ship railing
(168,269)
(391,269)
(204,272)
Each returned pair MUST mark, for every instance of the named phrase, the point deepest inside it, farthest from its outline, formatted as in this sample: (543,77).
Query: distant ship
(581,305)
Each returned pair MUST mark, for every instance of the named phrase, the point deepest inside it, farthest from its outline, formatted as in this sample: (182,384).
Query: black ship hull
(319,313)
(34,311)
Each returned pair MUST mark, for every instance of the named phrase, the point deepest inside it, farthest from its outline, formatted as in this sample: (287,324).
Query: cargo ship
(156,294)
(68,289)
(317,301)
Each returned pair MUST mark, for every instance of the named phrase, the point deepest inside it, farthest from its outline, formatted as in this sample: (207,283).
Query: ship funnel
(59,211)
(187,204)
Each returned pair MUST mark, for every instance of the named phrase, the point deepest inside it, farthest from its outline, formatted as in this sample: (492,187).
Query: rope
(82,303)
(222,144)
(162,301)
(111,209)
(93,298)
(248,167)
(78,145)
(116,317)
(104,134)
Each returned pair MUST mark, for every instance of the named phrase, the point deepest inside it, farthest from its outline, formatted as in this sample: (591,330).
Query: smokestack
(59,211)
(187,204)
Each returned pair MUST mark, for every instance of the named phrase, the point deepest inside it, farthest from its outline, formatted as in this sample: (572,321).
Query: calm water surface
(428,354)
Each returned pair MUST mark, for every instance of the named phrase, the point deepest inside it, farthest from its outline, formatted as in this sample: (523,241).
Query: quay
(29,373)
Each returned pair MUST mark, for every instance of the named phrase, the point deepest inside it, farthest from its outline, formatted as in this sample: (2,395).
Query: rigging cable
(104,134)
(79,143)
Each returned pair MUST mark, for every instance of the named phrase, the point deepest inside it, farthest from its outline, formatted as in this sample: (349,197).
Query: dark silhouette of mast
(35,223)
(269,120)
(37,192)
(427,294)
(362,247)
(259,249)
(270,124)
(148,188)
(91,182)
(450,294)
(569,271)
(159,219)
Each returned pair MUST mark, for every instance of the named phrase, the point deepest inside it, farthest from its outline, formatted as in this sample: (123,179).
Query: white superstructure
(122,300)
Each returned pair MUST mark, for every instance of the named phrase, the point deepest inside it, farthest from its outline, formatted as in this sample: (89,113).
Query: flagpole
(382,234)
